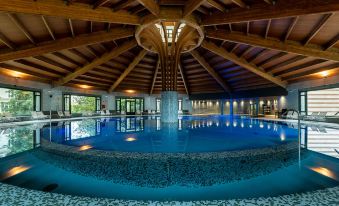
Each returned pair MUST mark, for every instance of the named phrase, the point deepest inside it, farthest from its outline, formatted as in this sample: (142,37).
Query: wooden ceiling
(248,44)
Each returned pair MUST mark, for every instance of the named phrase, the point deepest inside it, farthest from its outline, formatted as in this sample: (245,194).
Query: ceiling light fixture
(130,91)
(84,86)
(324,73)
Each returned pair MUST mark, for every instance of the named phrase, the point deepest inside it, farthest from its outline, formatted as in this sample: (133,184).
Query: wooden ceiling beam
(192,5)
(281,9)
(96,62)
(290,28)
(155,76)
(130,67)
(281,65)
(267,28)
(317,28)
(313,71)
(216,5)
(332,42)
(302,68)
(77,11)
(151,6)
(242,62)
(71,27)
(291,47)
(122,5)
(48,27)
(6,41)
(240,3)
(270,1)
(22,28)
(99,3)
(67,43)
(66,58)
(181,71)
(274,57)
(211,71)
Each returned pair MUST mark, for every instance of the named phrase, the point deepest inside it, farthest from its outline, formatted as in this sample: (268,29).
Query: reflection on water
(130,124)
(18,139)
(149,134)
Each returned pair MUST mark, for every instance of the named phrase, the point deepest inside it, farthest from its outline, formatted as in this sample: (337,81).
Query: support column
(169,106)
(257,106)
(231,107)
(222,104)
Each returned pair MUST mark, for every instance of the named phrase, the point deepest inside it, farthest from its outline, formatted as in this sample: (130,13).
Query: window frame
(33,90)
(98,100)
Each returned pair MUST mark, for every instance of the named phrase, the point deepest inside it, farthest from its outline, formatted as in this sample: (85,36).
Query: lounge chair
(107,112)
(289,115)
(7,117)
(61,114)
(332,117)
(86,113)
(67,114)
(321,116)
(312,116)
(34,115)
(42,116)
(102,113)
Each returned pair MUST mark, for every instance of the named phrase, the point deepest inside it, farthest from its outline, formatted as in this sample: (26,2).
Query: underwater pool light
(324,171)
(85,147)
(15,170)
(130,139)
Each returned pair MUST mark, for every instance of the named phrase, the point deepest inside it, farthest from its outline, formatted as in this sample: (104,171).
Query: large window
(158,106)
(129,105)
(19,102)
(303,103)
(180,104)
(325,100)
(80,103)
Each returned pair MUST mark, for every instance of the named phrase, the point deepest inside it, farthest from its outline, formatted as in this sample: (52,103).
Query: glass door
(130,106)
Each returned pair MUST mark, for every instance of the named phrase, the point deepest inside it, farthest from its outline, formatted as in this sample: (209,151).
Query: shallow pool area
(202,158)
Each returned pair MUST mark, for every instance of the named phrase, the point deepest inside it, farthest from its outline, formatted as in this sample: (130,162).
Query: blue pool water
(190,134)
(183,178)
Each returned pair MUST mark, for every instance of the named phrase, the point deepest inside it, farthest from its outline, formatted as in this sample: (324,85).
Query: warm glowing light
(15,74)
(84,86)
(324,73)
(282,137)
(130,139)
(130,91)
(324,171)
(85,147)
(16,170)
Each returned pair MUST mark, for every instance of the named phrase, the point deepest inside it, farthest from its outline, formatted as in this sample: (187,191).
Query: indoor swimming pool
(199,158)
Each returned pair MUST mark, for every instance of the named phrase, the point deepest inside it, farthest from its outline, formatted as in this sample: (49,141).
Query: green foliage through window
(81,104)
(16,102)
